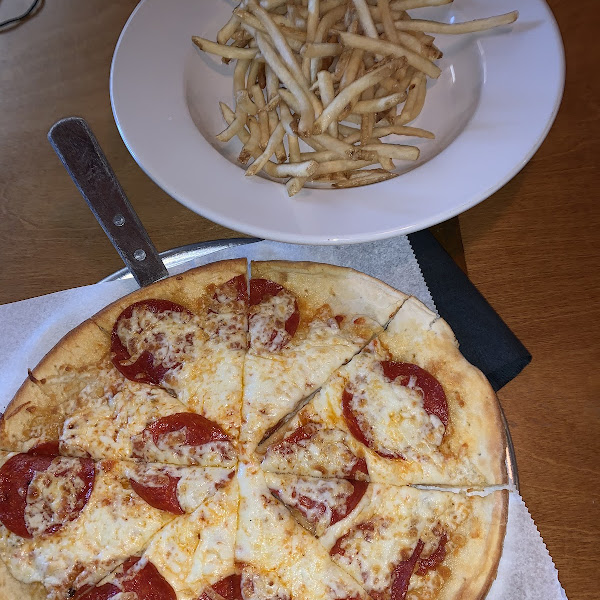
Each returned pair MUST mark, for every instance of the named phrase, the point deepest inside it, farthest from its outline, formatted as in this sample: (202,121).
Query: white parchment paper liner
(32,327)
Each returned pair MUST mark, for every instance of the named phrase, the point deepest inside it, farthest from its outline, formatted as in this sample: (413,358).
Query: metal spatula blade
(80,153)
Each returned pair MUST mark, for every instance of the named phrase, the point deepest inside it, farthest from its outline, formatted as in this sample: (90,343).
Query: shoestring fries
(336,75)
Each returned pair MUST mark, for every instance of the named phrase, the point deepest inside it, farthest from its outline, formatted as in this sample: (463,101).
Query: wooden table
(532,248)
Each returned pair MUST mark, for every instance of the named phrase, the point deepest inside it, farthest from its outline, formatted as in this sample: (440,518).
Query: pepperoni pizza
(304,433)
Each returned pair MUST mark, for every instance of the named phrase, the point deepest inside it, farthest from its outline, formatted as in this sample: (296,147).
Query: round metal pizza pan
(177,256)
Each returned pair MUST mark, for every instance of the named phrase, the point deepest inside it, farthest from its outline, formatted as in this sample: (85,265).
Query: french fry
(263,120)
(410,4)
(336,166)
(394,151)
(236,125)
(364,16)
(227,31)
(378,104)
(414,102)
(458,28)
(295,184)
(384,48)
(369,178)
(301,169)
(320,50)
(347,94)
(222,50)
(275,139)
(327,92)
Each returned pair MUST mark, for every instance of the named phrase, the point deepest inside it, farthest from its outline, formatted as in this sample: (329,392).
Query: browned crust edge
(178,288)
(13,589)
(483,575)
(372,296)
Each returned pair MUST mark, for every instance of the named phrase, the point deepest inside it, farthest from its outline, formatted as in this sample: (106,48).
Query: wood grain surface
(531,248)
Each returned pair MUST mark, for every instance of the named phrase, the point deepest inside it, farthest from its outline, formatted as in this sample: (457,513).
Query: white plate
(490,110)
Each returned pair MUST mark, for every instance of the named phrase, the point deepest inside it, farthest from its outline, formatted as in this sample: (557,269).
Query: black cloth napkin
(485,339)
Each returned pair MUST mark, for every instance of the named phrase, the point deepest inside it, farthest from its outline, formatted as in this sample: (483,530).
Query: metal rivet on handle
(139,254)
(119,220)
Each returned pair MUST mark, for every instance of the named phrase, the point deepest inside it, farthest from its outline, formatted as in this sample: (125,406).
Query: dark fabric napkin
(485,339)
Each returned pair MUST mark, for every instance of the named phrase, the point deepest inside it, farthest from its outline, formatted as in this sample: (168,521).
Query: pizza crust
(479,559)
(344,289)
(12,588)
(185,289)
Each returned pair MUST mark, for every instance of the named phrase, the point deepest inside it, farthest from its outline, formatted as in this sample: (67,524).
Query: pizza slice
(278,554)
(191,553)
(188,335)
(116,418)
(305,320)
(67,522)
(402,542)
(408,409)
(35,411)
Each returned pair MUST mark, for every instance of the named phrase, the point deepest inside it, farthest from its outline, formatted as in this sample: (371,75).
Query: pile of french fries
(338,75)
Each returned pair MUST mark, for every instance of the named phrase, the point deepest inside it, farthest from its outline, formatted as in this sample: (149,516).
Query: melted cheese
(387,530)
(108,419)
(267,322)
(115,524)
(169,336)
(392,414)
(197,550)
(52,495)
(270,541)
(325,454)
(204,356)
(171,448)
(274,383)
(427,461)
(226,318)
(211,384)
(324,496)
(257,586)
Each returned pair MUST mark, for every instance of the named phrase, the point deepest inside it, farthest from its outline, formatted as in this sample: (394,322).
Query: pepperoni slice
(313,509)
(230,587)
(402,573)
(146,583)
(351,420)
(435,558)
(268,328)
(260,289)
(286,446)
(359,489)
(145,369)
(159,491)
(198,430)
(337,548)
(434,397)
(360,466)
(237,285)
(18,473)
(45,449)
